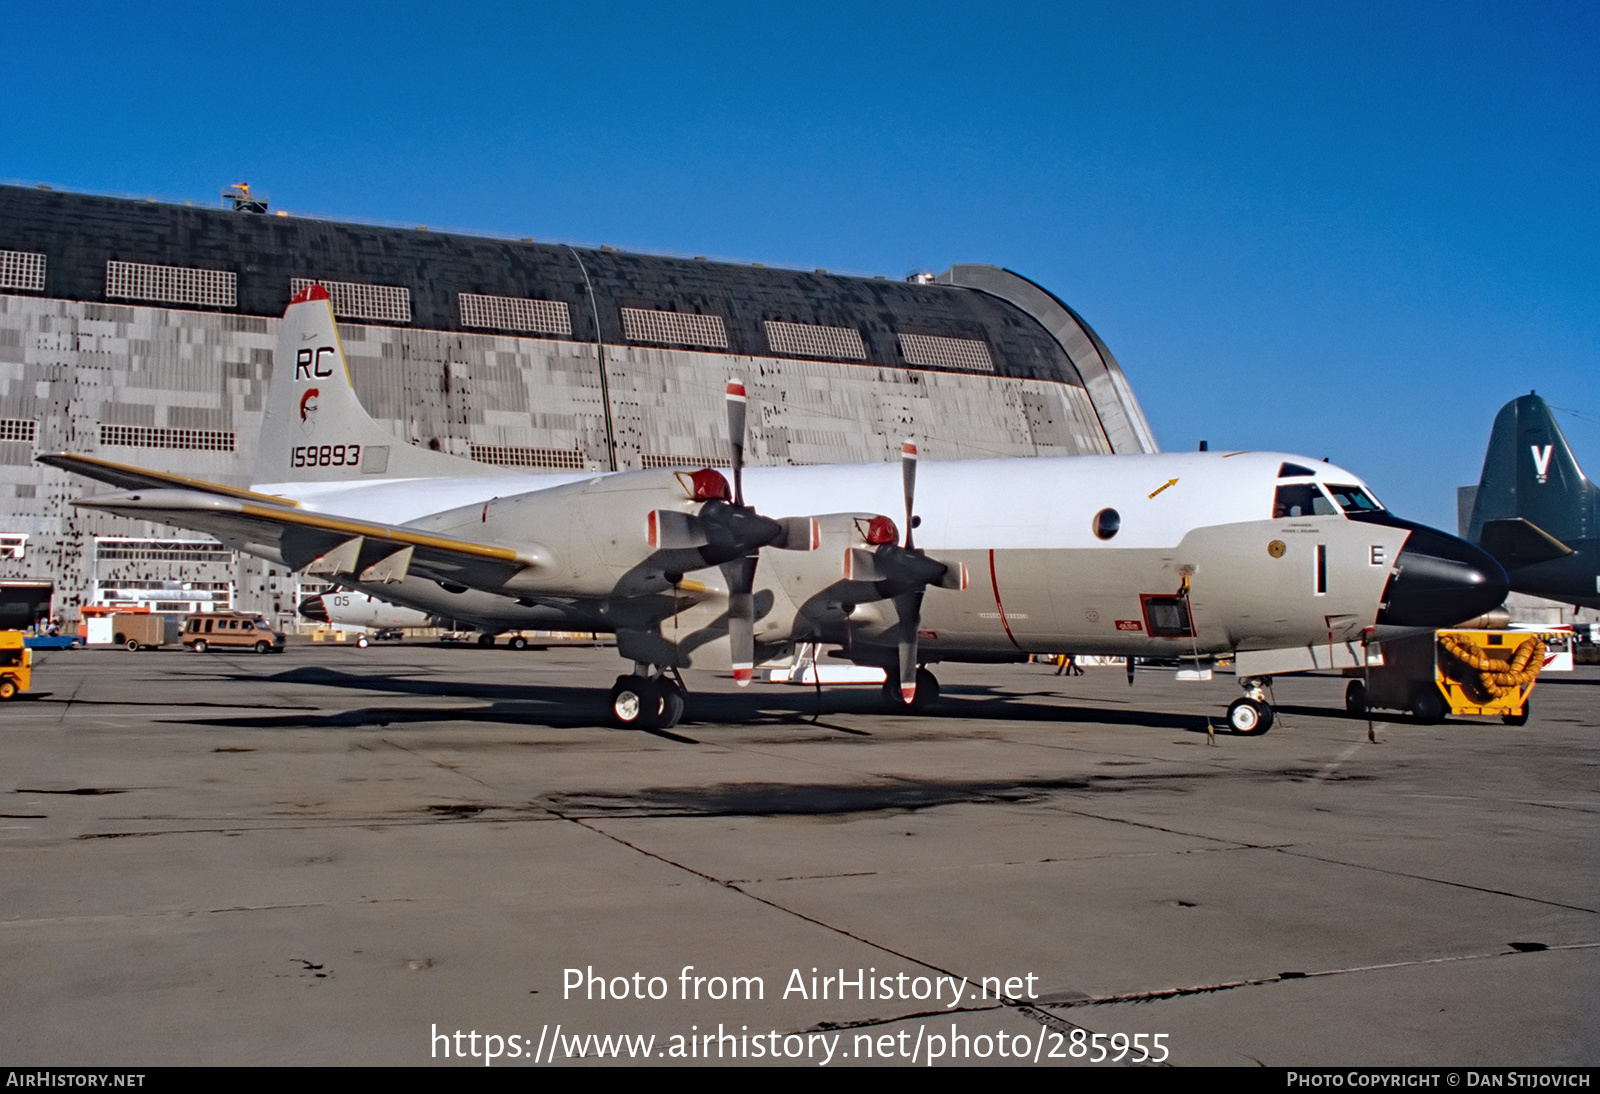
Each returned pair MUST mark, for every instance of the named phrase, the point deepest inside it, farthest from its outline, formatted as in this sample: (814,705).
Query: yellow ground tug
(16,664)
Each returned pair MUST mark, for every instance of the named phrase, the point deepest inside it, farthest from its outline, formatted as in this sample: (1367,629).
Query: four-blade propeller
(730,535)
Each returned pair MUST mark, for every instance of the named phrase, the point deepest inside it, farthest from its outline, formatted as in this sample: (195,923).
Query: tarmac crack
(1513,950)
(1436,880)
(453,769)
(736,887)
(1042,1017)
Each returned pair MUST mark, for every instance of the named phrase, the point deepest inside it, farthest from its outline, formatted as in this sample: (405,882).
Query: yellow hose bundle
(1499,679)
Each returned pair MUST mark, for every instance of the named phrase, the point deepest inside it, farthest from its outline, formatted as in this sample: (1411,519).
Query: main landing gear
(641,701)
(1252,715)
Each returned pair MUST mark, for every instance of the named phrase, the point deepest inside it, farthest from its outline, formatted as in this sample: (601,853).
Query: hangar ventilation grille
(18,429)
(505,455)
(354,300)
(515,313)
(118,549)
(172,284)
(814,340)
(146,436)
(936,351)
(22,270)
(674,328)
(648,460)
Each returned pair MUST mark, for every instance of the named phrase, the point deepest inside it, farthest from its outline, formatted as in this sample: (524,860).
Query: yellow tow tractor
(1485,672)
(16,664)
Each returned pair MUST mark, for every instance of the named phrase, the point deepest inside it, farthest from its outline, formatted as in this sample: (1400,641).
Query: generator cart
(1489,672)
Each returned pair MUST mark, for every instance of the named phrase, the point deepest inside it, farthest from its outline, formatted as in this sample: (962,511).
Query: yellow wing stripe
(345,526)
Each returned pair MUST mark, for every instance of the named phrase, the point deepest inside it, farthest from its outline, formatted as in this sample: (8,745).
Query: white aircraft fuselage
(1175,555)
(1039,578)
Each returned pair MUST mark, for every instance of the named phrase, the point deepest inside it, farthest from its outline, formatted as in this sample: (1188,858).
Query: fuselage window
(1301,500)
(1353,499)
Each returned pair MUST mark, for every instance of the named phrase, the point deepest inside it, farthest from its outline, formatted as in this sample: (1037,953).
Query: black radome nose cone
(1440,581)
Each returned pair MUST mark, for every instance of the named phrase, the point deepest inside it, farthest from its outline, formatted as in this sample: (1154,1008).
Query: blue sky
(1344,230)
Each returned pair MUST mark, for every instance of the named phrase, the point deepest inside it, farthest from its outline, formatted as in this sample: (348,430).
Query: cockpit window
(1293,470)
(1353,499)
(1301,500)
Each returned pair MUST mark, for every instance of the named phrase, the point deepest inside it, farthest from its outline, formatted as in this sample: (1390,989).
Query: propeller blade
(909,608)
(908,479)
(741,575)
(736,408)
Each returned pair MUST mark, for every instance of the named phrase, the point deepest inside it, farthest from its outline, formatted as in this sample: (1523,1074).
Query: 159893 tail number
(325,455)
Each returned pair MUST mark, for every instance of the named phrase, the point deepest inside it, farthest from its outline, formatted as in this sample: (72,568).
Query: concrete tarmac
(347,856)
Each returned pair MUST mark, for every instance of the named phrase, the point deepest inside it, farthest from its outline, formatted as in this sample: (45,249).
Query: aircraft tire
(1355,699)
(672,703)
(637,703)
(486,640)
(199,645)
(1427,705)
(1519,719)
(517,642)
(1249,717)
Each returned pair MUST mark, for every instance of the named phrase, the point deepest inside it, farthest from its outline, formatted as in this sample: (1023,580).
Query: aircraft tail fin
(1533,499)
(316,430)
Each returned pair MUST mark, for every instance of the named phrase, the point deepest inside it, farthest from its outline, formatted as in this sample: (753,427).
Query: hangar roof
(974,318)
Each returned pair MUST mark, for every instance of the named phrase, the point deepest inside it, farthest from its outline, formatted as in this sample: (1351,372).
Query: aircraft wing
(126,477)
(320,543)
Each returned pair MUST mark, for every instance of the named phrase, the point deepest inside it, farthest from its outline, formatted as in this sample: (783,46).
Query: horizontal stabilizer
(126,477)
(328,544)
(1517,542)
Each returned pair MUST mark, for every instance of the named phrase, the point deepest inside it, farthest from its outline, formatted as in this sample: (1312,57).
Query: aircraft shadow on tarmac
(555,706)
(837,799)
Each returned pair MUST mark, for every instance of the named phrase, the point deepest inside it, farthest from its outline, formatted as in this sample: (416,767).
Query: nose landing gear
(1252,715)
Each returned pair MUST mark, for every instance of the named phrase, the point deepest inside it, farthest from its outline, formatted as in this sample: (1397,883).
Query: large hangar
(143,332)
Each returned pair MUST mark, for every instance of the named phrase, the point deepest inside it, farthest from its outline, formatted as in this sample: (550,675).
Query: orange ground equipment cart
(1458,672)
(16,664)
